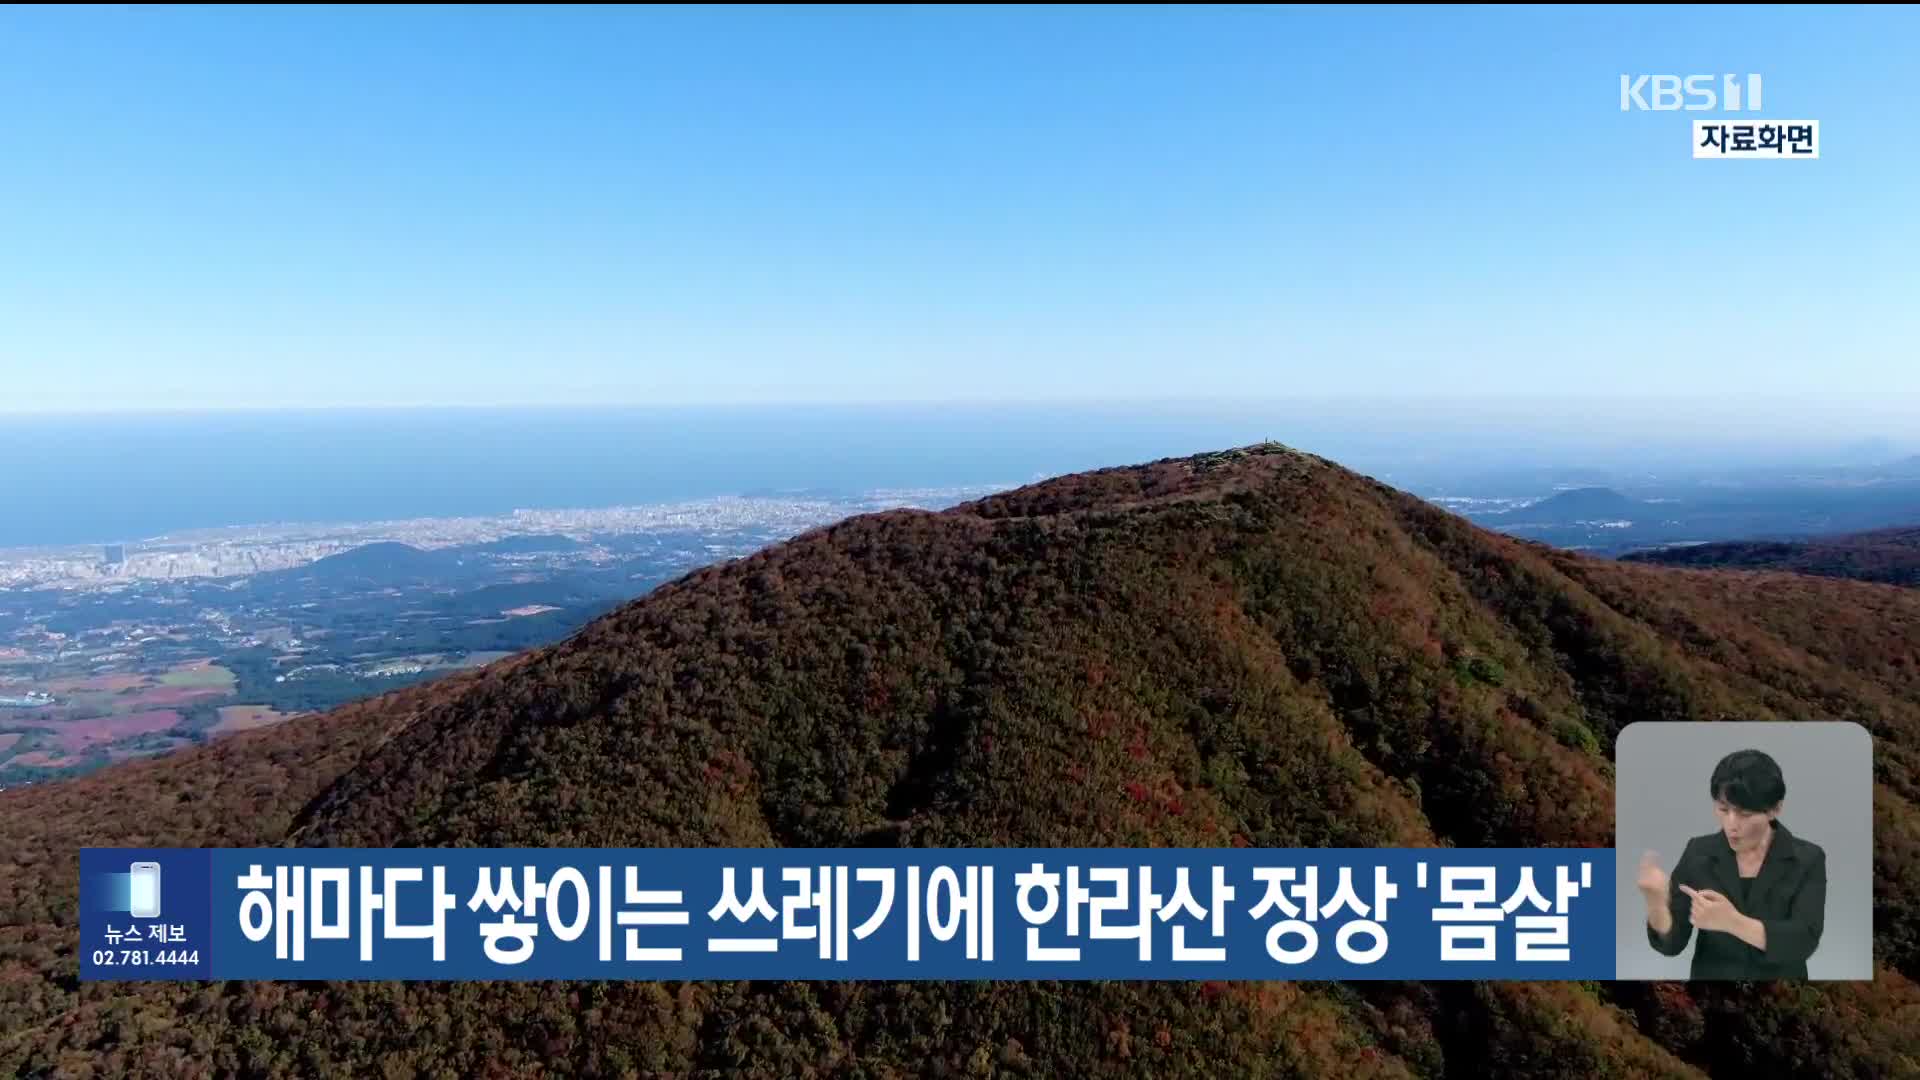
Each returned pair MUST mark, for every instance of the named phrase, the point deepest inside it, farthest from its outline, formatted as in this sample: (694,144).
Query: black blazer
(1789,895)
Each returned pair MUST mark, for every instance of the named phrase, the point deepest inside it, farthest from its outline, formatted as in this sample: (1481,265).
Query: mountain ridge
(1889,555)
(1251,647)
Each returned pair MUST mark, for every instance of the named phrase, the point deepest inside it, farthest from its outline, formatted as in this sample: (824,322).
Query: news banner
(831,914)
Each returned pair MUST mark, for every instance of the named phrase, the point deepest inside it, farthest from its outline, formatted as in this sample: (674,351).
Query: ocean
(127,477)
(107,478)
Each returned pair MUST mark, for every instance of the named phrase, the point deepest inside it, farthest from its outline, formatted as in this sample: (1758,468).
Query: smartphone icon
(146,890)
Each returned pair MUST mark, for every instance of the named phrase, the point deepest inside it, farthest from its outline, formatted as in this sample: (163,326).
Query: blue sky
(213,208)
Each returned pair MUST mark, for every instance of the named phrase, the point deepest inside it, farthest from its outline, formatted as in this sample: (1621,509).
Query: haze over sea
(108,477)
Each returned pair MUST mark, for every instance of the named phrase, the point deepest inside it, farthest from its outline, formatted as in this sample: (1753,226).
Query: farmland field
(166,697)
(117,715)
(112,716)
(203,676)
(480,659)
(97,684)
(80,734)
(245,717)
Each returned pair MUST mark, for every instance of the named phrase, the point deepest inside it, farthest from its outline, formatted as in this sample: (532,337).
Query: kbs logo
(1694,93)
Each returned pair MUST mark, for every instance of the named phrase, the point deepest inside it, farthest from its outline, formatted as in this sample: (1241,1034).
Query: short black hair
(1749,780)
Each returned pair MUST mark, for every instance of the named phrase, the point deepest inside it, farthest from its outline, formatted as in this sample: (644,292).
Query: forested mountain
(1254,647)
(1889,555)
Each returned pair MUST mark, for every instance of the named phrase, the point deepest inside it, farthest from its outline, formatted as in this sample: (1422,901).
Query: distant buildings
(32,699)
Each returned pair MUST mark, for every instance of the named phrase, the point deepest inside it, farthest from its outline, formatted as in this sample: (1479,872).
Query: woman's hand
(1653,880)
(1713,911)
(1653,886)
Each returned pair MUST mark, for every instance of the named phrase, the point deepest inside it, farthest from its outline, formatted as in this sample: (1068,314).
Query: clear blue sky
(213,208)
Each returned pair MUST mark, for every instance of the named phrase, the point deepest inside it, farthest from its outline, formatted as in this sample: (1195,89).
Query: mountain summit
(1584,504)
(1253,647)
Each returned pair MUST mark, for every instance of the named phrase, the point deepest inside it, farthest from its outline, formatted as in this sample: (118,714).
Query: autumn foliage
(1248,648)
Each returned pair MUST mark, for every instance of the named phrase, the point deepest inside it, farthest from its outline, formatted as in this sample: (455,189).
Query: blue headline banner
(821,914)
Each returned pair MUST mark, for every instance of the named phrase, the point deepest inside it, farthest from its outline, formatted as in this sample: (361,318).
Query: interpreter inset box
(1744,851)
